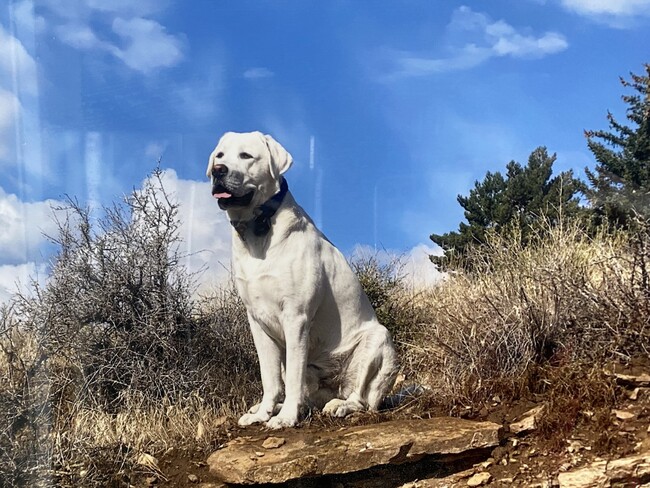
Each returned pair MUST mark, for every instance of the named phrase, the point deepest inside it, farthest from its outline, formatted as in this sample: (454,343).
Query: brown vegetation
(114,358)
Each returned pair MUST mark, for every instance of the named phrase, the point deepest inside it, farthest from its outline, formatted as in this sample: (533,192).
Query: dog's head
(245,169)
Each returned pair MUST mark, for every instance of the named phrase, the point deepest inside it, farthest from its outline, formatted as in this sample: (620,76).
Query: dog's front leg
(296,335)
(270,357)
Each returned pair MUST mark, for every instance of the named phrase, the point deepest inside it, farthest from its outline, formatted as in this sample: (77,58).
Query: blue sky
(390,109)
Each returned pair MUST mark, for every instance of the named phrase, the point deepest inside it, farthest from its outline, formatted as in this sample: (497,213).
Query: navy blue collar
(261,224)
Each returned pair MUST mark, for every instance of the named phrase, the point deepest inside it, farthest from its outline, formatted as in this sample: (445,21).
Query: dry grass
(530,318)
(113,358)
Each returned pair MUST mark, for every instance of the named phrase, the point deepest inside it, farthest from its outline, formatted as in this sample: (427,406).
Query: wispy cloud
(257,73)
(148,45)
(472,38)
(141,43)
(619,7)
(619,13)
(16,65)
(80,37)
(155,149)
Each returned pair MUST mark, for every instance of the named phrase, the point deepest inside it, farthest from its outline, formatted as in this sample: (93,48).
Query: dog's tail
(409,392)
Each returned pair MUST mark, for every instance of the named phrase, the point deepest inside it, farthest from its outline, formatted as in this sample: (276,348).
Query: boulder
(350,449)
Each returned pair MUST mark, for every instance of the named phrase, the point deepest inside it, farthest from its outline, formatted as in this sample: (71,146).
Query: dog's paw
(334,407)
(254,408)
(258,414)
(341,408)
(253,418)
(280,422)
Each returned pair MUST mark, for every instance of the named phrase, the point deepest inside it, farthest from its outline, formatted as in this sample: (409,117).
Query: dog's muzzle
(226,196)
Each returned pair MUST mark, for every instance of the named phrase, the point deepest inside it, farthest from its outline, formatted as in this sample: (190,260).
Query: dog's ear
(208,172)
(280,160)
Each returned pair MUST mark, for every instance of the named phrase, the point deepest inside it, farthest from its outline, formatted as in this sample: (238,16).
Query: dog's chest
(261,289)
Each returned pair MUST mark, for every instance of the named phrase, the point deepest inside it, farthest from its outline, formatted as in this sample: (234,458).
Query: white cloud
(148,46)
(473,39)
(79,36)
(608,7)
(419,271)
(19,277)
(204,228)
(143,44)
(23,225)
(17,67)
(520,46)
(257,73)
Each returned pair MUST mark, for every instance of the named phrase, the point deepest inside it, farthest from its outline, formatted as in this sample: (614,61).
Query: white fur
(313,326)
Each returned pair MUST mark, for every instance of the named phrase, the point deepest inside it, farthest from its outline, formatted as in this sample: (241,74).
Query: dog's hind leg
(318,392)
(374,366)
(381,384)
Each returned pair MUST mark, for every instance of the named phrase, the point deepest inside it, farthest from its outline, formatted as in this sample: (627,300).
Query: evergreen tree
(620,184)
(526,194)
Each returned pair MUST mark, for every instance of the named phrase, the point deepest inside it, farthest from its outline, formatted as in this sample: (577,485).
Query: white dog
(313,326)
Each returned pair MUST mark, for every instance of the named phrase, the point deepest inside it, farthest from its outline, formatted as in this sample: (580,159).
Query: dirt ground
(527,459)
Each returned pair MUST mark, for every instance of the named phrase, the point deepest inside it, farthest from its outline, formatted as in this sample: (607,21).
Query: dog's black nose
(219,170)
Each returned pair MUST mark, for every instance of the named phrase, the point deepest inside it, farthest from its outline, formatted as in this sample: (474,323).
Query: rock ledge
(244,460)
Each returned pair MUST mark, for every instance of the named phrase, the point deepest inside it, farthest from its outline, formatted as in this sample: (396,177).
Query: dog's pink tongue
(222,195)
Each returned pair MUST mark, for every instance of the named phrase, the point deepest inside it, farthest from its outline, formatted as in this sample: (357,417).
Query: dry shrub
(566,299)
(113,356)
(382,281)
(235,360)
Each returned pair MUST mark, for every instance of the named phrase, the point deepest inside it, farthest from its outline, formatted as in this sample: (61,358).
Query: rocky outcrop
(628,471)
(294,454)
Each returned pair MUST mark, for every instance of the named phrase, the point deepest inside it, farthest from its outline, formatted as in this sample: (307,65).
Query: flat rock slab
(244,460)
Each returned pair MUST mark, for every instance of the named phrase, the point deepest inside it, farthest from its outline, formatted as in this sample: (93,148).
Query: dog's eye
(219,155)
(245,156)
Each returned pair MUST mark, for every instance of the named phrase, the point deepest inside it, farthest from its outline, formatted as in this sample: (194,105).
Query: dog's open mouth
(227,199)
